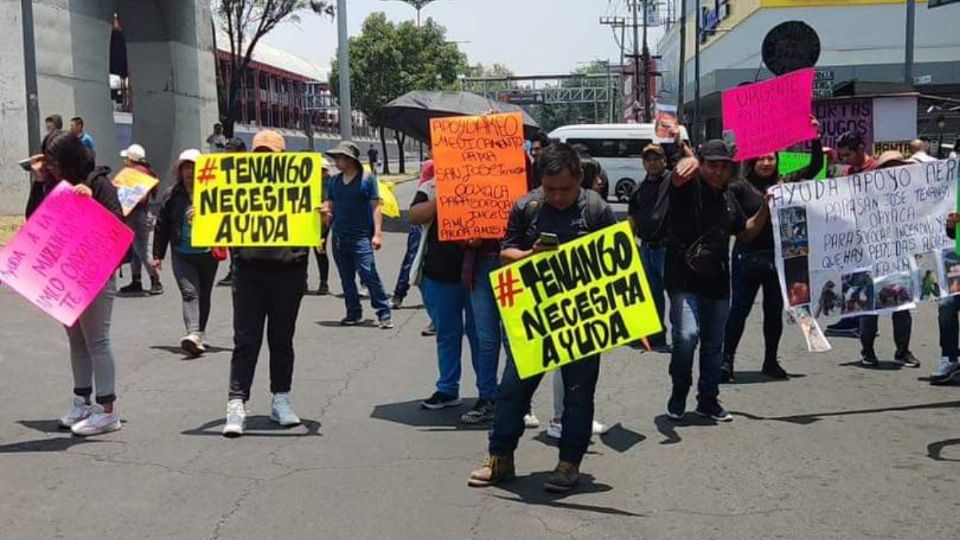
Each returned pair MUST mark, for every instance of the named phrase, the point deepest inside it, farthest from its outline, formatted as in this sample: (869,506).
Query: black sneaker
(726,372)
(712,409)
(482,413)
(323,289)
(134,288)
(351,320)
(439,400)
(907,359)
(156,288)
(226,281)
(869,358)
(774,370)
(676,405)
(430,330)
(396,302)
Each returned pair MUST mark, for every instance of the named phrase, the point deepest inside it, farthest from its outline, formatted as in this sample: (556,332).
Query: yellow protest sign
(257,199)
(390,208)
(132,186)
(588,296)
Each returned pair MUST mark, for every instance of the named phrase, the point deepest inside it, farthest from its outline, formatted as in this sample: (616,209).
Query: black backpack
(592,213)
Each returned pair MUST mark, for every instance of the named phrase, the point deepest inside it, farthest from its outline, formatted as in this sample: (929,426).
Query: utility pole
(614,23)
(908,55)
(683,60)
(343,59)
(696,78)
(646,67)
(30,76)
(636,60)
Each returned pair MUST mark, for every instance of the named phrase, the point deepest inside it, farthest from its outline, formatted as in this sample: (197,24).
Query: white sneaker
(554,429)
(236,418)
(946,371)
(599,428)
(282,411)
(363,292)
(192,344)
(80,411)
(98,422)
(530,420)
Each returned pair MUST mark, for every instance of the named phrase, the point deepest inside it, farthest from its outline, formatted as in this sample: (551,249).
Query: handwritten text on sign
(64,254)
(480,172)
(854,245)
(259,199)
(132,186)
(589,296)
(770,116)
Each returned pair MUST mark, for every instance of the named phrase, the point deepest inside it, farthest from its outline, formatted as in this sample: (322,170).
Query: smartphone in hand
(549,240)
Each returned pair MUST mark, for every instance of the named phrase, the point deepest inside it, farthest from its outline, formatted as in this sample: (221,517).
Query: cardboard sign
(771,115)
(666,120)
(480,173)
(132,186)
(870,243)
(64,254)
(588,296)
(791,162)
(257,199)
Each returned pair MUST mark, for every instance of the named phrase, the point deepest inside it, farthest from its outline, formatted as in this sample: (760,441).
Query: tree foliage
(245,22)
(388,60)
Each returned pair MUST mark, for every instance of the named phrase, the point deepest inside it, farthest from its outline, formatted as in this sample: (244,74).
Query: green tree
(245,22)
(388,60)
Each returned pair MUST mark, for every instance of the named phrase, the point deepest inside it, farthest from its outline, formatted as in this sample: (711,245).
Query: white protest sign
(870,243)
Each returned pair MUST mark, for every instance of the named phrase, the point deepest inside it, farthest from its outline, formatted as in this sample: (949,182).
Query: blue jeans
(487,323)
(653,259)
(749,273)
(697,319)
(403,279)
(453,317)
(950,327)
(513,402)
(355,256)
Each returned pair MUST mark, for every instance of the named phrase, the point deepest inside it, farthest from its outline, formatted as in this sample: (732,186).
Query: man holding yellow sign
(573,288)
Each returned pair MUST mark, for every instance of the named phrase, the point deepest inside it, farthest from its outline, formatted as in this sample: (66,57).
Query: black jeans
(323,258)
(749,273)
(902,327)
(195,275)
(264,295)
(513,402)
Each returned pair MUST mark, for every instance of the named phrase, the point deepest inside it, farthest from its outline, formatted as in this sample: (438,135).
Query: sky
(530,37)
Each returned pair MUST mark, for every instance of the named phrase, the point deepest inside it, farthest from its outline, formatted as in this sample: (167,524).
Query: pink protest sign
(770,116)
(64,254)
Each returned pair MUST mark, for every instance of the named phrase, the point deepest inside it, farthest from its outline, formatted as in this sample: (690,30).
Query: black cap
(716,150)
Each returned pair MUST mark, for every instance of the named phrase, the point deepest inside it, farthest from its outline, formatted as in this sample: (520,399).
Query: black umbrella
(411,112)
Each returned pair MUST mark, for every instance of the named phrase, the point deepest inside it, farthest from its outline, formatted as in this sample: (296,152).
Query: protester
(563,208)
(135,157)
(918,151)
(217,141)
(702,216)
(194,268)
(539,142)
(753,263)
(372,156)
(323,260)
(54,125)
(461,303)
(902,320)
(268,287)
(949,368)
(852,152)
(594,177)
(233,145)
(354,203)
(91,355)
(413,244)
(77,128)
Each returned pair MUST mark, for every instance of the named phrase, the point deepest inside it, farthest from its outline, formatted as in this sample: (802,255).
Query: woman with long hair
(194,268)
(752,263)
(91,356)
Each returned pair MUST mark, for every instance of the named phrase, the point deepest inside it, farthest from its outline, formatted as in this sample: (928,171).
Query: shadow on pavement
(668,426)
(260,426)
(45,426)
(211,349)
(881,366)
(529,490)
(369,324)
(621,439)
(935,449)
(756,377)
(57,444)
(410,413)
(806,419)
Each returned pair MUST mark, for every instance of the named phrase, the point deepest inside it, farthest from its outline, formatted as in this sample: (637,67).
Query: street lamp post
(343,59)
(417,5)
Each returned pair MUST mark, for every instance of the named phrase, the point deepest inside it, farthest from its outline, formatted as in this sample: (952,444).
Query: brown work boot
(563,478)
(495,469)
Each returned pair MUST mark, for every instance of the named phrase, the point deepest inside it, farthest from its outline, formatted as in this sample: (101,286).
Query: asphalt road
(838,452)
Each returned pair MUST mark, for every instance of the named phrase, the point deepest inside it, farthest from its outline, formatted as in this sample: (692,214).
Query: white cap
(189,155)
(134,153)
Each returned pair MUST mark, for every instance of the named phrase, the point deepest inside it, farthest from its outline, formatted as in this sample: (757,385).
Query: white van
(618,148)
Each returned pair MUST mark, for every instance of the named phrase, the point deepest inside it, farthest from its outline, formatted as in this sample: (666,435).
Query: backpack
(592,213)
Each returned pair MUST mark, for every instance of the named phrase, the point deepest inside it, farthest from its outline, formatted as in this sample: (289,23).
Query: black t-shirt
(442,261)
(750,198)
(579,219)
(718,216)
(648,207)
